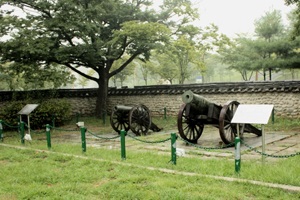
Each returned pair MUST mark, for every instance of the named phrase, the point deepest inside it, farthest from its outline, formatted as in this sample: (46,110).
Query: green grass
(65,172)
(31,174)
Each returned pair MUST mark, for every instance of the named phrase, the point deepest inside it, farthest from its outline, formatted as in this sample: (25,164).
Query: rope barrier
(207,148)
(101,137)
(150,142)
(33,131)
(10,126)
(59,129)
(160,141)
(269,155)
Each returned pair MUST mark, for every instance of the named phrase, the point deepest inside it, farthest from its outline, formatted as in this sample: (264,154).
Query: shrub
(49,111)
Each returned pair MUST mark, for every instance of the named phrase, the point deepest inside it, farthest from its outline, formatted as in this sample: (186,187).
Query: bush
(49,111)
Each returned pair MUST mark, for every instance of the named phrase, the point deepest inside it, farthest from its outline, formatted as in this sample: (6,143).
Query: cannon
(198,111)
(136,118)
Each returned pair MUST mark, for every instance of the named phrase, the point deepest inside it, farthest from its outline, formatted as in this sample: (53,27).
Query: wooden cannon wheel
(119,120)
(190,128)
(139,119)
(227,130)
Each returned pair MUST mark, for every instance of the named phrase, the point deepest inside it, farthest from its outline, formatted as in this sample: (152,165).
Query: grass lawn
(31,171)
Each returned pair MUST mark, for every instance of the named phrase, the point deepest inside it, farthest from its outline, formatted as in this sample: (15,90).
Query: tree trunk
(102,92)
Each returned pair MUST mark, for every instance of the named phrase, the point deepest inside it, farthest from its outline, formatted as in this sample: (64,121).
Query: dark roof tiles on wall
(207,88)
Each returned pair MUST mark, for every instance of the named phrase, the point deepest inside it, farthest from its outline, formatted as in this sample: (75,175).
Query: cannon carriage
(196,112)
(136,118)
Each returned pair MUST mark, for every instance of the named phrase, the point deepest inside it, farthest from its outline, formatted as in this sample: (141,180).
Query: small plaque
(26,110)
(252,114)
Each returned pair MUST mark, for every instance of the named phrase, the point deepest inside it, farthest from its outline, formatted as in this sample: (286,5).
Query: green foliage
(89,34)
(48,111)
(125,73)
(84,81)
(269,25)
(270,51)
(296,15)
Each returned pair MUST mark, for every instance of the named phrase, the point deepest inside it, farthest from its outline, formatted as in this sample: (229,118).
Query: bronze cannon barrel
(197,102)
(122,108)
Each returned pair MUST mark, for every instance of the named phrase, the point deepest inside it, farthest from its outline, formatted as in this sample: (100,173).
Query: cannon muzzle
(197,102)
(122,108)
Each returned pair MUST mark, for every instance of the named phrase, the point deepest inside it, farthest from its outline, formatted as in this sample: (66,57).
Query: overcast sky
(237,16)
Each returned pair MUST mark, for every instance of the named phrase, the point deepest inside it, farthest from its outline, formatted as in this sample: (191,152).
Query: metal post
(237,148)
(123,150)
(263,143)
(165,113)
(1,131)
(48,136)
(83,140)
(273,116)
(173,148)
(22,132)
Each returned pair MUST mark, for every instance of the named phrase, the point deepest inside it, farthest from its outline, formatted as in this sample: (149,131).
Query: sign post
(251,114)
(26,110)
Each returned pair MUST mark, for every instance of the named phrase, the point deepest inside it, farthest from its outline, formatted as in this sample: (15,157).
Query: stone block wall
(285,104)
(284,95)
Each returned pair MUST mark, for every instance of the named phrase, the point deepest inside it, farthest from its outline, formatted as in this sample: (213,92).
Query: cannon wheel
(226,129)
(190,128)
(119,120)
(139,119)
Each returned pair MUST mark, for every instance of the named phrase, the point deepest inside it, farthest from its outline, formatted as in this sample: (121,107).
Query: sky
(237,16)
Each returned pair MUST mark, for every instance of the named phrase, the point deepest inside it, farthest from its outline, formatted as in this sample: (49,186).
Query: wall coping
(211,88)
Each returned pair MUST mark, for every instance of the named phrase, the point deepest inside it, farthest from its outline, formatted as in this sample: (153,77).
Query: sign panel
(252,114)
(26,110)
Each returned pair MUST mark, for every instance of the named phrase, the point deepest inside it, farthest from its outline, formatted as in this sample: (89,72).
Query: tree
(270,50)
(184,51)
(18,76)
(146,68)
(296,24)
(88,33)
(84,81)
(269,27)
(125,73)
(166,66)
(209,41)
(240,56)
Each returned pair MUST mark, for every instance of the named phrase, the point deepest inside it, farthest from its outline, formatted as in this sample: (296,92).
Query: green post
(273,116)
(1,131)
(83,140)
(48,136)
(123,150)
(165,113)
(22,129)
(237,142)
(173,148)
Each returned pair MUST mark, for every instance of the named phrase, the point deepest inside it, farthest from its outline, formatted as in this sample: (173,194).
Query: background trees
(270,50)
(88,34)
(296,22)
(100,40)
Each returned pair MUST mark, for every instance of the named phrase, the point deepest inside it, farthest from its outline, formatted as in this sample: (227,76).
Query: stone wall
(285,104)
(284,95)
